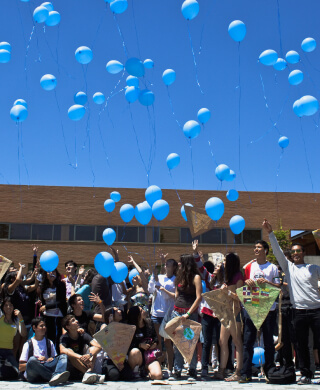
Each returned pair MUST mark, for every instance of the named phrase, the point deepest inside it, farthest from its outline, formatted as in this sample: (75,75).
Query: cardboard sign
(4,265)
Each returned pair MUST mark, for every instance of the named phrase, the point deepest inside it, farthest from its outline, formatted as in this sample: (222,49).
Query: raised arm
(144,280)
(205,274)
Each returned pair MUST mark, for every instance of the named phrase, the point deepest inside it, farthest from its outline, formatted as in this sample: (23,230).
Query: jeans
(249,338)
(288,337)
(178,358)
(210,328)
(9,368)
(37,371)
(303,320)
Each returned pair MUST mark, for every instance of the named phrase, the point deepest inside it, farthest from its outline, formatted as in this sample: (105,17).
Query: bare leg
(169,349)
(135,358)
(155,370)
(77,364)
(157,327)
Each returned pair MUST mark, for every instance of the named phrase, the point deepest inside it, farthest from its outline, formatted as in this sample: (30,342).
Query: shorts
(156,320)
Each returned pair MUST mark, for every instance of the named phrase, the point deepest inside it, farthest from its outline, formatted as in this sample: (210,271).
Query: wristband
(20,321)
(100,302)
(189,314)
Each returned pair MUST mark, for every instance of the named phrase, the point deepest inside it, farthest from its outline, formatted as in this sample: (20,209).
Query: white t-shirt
(162,301)
(39,349)
(50,296)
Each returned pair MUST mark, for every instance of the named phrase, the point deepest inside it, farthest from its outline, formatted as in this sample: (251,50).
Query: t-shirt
(162,300)
(238,276)
(76,345)
(84,319)
(50,297)
(7,333)
(68,287)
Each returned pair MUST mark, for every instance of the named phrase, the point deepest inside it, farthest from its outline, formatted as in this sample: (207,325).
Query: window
(20,231)
(99,232)
(229,238)
(148,234)
(127,234)
(56,232)
(42,232)
(251,236)
(211,237)
(4,230)
(169,235)
(186,236)
(84,233)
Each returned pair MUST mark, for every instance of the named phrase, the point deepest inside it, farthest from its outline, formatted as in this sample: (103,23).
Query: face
(51,276)
(70,269)
(8,308)
(136,280)
(12,268)
(259,250)
(78,304)
(73,324)
(117,314)
(41,329)
(297,254)
(170,269)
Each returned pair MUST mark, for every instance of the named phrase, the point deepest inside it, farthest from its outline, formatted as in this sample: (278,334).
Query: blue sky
(159,31)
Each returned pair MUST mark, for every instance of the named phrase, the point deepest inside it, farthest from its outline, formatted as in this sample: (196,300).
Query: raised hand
(195,246)
(266,225)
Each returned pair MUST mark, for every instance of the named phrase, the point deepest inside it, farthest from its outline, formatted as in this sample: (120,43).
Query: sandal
(235,377)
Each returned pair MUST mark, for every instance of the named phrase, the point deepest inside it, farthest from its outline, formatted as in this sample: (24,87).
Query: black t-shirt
(76,345)
(84,319)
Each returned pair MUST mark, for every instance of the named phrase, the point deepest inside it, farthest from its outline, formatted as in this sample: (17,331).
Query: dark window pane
(71,232)
(251,236)
(229,238)
(148,234)
(42,232)
(65,232)
(212,237)
(169,235)
(20,231)
(57,232)
(185,236)
(85,233)
(4,230)
(127,234)
(100,230)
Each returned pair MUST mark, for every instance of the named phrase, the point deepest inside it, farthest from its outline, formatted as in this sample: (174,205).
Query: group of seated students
(47,322)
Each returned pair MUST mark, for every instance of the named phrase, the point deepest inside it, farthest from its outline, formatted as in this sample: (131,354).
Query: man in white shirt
(39,358)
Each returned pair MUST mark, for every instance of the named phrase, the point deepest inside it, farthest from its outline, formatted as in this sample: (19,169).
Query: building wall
(79,205)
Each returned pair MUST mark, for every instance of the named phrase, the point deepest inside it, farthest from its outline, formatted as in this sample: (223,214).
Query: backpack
(48,345)
(282,375)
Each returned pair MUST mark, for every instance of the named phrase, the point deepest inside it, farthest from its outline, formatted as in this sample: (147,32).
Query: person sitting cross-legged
(81,350)
(39,360)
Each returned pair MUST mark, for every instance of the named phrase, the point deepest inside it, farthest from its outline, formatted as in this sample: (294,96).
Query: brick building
(70,221)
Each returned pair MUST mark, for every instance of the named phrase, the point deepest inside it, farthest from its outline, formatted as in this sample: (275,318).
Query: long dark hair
(187,271)
(91,273)
(134,316)
(46,283)
(4,301)
(232,266)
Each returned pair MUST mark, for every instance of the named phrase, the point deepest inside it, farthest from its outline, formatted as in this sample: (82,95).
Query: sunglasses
(296,251)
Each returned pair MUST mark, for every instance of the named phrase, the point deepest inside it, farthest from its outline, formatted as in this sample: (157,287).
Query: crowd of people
(47,322)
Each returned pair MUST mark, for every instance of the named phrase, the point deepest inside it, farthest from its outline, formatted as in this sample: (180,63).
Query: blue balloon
(292,57)
(295,77)
(232,195)
(222,172)
(49,261)
(160,209)
(204,287)
(114,67)
(297,109)
(173,160)
(119,272)
(132,94)
(148,64)
(48,82)
(190,9)
(231,176)
(126,212)
(115,196)
(135,67)
(283,142)
(132,274)
(80,98)
(204,115)
(146,97)
(118,6)
(76,112)
(20,102)
(237,224)
(143,213)
(237,30)
(53,19)
(5,46)
(40,14)
(309,105)
(109,236)
(104,263)
(308,45)
(215,208)
(258,358)
(268,57)
(109,205)
(191,129)
(183,212)
(83,55)
(47,5)
(18,113)
(5,56)
(281,64)
(99,98)
(169,76)
(152,194)
(132,81)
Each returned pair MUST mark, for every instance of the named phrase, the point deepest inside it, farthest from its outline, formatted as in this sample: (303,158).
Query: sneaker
(244,379)
(192,375)
(204,373)
(100,378)
(59,378)
(304,381)
(176,376)
(89,378)
(199,366)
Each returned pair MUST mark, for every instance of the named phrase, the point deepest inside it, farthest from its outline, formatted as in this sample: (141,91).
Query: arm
(205,274)
(96,299)
(115,253)
(76,286)
(18,280)
(144,280)
(22,328)
(196,303)
(171,294)
(68,351)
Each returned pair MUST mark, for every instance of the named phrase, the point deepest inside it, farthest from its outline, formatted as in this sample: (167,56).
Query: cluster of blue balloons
(105,266)
(224,173)
(19,111)
(45,13)
(77,111)
(110,204)
(192,129)
(5,52)
(49,261)
(306,106)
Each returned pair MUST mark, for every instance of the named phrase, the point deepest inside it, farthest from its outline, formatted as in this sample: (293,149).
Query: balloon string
(305,152)
(277,175)
(90,161)
(279,28)
(153,142)
(175,187)
(84,71)
(23,159)
(98,29)
(309,76)
(135,29)
(172,110)
(121,35)
(75,144)
(201,38)
(102,141)
(310,63)
(63,134)
(194,59)
(19,174)
(192,169)
(211,152)
(26,55)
